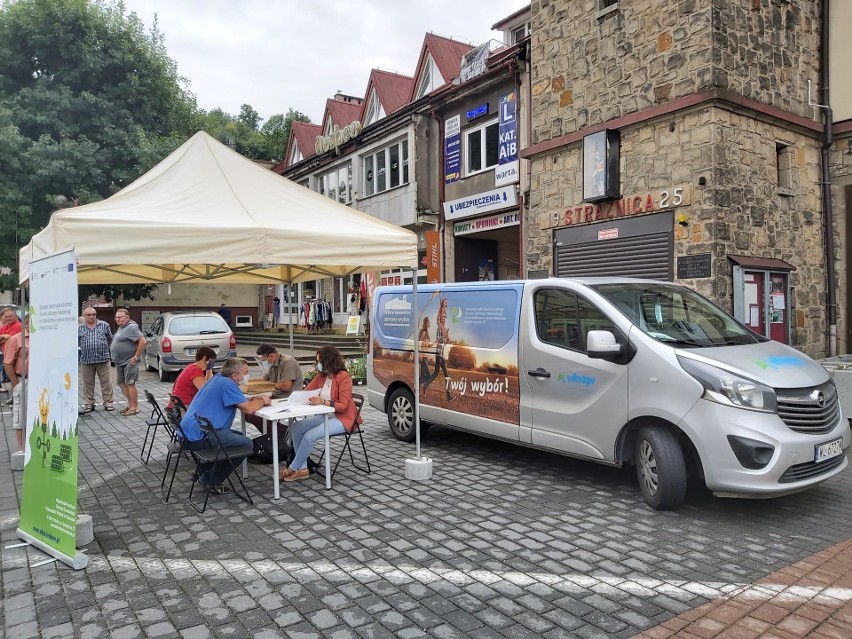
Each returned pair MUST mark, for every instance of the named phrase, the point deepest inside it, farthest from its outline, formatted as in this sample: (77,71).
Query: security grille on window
(386,169)
(481,147)
(337,185)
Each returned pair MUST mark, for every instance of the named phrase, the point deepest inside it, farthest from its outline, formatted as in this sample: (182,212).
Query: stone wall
(588,70)
(738,211)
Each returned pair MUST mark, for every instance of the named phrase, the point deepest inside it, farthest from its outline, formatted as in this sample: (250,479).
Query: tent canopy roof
(206,213)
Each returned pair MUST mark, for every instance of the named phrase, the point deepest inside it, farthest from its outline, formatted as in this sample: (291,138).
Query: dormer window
(374,111)
(428,79)
(295,154)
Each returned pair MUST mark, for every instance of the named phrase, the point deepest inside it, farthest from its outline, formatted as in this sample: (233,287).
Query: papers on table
(301,398)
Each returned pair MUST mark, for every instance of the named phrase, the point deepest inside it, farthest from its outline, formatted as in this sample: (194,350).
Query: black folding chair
(177,447)
(156,420)
(348,435)
(218,453)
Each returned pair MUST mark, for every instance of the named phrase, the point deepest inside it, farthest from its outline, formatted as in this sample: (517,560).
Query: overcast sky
(277,55)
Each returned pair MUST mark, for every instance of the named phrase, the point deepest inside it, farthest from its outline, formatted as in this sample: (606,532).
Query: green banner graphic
(49,505)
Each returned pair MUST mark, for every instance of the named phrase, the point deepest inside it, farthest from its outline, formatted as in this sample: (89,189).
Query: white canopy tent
(206,213)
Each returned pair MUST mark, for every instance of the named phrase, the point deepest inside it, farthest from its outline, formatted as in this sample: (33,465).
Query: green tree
(277,132)
(88,101)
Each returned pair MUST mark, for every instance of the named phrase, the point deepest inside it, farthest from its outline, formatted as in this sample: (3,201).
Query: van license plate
(827,450)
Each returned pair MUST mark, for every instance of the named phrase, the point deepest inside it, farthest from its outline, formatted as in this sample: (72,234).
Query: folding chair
(347,435)
(218,453)
(156,419)
(176,448)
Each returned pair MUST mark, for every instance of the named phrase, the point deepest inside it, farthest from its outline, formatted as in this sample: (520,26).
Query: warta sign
(337,137)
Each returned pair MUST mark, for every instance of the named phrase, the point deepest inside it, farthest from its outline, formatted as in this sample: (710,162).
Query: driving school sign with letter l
(506,171)
(480,203)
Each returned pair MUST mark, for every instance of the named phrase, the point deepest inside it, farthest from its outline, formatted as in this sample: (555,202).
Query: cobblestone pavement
(503,542)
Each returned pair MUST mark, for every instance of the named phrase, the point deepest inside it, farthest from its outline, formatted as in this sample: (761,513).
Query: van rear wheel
(660,468)
(401,415)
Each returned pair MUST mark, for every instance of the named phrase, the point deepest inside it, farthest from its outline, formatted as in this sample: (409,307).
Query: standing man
(9,325)
(218,401)
(15,365)
(94,337)
(276,310)
(126,349)
(225,312)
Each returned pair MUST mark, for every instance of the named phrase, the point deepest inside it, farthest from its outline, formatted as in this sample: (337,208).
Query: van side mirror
(602,345)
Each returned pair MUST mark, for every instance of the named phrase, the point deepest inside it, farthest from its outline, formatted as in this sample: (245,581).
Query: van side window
(564,319)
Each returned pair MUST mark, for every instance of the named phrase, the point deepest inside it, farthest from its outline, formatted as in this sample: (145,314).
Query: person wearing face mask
(194,376)
(335,386)
(218,401)
(283,371)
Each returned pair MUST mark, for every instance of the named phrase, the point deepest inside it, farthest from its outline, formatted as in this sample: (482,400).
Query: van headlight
(723,387)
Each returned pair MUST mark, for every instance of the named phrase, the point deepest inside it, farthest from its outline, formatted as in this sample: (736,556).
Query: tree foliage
(84,89)
(89,101)
(244,134)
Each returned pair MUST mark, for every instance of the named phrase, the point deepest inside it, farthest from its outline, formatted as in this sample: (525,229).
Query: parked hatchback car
(175,337)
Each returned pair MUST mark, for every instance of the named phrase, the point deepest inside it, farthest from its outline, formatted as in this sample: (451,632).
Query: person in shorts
(126,351)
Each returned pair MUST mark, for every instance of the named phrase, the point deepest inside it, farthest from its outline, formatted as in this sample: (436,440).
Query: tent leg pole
(420,467)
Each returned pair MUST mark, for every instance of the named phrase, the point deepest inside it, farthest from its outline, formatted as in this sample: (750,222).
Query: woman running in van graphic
(442,340)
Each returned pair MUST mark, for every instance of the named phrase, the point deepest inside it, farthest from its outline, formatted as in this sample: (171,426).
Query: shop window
(481,147)
(386,169)
(784,165)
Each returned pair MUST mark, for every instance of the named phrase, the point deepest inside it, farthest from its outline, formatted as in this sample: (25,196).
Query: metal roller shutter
(644,248)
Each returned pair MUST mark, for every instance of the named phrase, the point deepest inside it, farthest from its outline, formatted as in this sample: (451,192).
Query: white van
(614,370)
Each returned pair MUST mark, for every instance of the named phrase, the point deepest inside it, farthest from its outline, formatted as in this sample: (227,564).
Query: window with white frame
(329,127)
(481,147)
(374,111)
(337,184)
(386,169)
(295,154)
(521,32)
(429,78)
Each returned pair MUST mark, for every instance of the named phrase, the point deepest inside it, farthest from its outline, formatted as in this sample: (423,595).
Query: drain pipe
(828,219)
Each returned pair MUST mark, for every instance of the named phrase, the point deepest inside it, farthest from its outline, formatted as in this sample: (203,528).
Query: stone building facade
(709,99)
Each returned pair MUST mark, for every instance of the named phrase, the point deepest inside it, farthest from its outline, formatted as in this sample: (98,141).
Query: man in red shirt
(16,366)
(9,325)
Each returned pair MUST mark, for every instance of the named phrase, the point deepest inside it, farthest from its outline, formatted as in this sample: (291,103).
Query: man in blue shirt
(218,401)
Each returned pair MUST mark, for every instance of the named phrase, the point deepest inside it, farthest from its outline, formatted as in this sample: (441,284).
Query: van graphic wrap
(468,351)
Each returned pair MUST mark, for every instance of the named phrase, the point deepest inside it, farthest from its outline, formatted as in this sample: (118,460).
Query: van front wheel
(401,415)
(661,468)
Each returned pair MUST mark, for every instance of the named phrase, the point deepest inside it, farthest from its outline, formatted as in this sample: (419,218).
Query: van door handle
(539,372)
(497,369)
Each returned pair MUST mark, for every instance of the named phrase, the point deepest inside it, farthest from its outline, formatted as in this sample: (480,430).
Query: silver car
(175,337)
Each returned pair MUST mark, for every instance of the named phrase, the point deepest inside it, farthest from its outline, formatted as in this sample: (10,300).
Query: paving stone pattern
(503,542)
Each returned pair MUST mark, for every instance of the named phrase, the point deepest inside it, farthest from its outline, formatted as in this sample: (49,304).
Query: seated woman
(335,386)
(194,376)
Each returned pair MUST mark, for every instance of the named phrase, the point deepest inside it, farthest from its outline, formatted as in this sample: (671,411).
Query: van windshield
(676,315)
